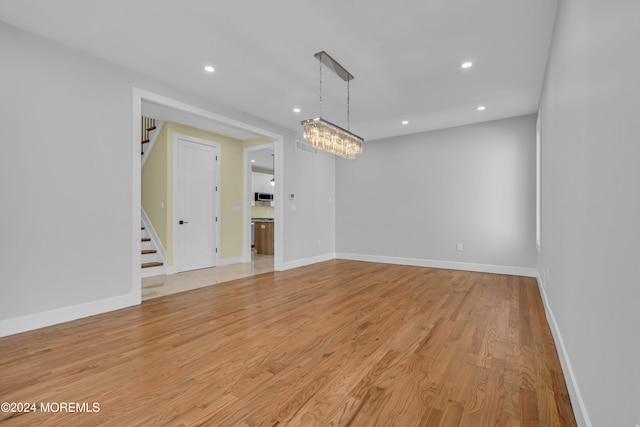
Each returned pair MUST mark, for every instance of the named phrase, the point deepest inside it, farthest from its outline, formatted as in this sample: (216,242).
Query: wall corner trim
(579,407)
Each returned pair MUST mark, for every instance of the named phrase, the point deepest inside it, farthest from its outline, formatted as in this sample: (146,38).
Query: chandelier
(323,134)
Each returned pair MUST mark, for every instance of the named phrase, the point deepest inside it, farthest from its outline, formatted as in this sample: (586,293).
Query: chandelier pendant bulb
(323,134)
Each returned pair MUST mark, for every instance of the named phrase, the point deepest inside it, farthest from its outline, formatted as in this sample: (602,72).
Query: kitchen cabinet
(263,237)
(261,183)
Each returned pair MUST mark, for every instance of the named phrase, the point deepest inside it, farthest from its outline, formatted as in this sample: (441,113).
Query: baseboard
(53,317)
(287,265)
(579,407)
(228,261)
(451,265)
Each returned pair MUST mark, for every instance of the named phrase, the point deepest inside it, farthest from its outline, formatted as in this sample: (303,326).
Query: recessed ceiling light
(296,110)
(481,108)
(209,69)
(253,161)
(467,64)
(405,122)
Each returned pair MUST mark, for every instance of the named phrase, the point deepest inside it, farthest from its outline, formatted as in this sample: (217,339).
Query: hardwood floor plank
(339,343)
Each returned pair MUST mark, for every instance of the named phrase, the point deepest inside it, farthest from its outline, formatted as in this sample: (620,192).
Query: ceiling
(262,159)
(406,55)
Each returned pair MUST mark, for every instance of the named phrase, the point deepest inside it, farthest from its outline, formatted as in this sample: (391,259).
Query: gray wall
(311,227)
(590,112)
(417,196)
(66,182)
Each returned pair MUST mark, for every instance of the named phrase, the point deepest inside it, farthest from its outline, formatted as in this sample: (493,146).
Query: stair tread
(151,264)
(149,251)
(146,239)
(151,128)
(144,141)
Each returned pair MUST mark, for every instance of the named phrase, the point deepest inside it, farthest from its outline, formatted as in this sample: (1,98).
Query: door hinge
(216,158)
(216,219)
(216,188)
(216,250)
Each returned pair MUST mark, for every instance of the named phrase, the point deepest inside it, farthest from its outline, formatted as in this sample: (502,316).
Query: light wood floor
(337,343)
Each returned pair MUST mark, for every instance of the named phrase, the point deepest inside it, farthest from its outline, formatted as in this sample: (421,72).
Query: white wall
(66,182)
(590,112)
(65,178)
(415,197)
(311,226)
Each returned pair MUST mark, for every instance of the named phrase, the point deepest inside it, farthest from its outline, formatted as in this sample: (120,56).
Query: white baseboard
(579,407)
(65,314)
(451,265)
(228,261)
(287,265)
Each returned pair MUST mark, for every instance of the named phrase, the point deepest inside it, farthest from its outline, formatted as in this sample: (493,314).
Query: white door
(196,205)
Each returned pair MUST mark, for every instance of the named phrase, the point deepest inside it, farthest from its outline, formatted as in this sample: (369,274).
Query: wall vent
(306,147)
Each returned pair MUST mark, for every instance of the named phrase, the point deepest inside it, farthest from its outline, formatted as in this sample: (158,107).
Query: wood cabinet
(263,237)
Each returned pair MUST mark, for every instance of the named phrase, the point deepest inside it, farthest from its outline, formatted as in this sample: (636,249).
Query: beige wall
(262,170)
(263,212)
(157,186)
(254,142)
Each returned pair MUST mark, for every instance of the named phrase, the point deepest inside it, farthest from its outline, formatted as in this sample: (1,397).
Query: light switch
(293,208)
(459,247)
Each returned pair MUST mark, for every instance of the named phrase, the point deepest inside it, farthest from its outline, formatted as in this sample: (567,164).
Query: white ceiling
(263,158)
(405,55)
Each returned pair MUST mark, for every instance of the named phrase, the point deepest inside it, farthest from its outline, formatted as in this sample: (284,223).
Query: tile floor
(166,284)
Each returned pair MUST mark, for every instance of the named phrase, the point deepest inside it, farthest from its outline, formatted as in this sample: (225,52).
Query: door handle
(183,222)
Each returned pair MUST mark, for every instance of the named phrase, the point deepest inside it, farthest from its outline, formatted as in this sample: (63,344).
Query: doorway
(189,115)
(260,203)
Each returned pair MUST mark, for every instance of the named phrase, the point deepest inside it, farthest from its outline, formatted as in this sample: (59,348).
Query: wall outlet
(459,247)
(319,242)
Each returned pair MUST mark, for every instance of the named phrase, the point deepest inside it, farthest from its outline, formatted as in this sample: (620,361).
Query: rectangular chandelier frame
(323,134)
(331,138)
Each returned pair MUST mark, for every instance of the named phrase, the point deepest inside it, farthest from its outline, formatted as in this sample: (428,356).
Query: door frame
(140,95)
(175,190)
(246,251)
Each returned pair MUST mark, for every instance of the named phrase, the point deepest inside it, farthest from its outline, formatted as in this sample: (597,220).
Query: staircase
(152,258)
(148,126)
